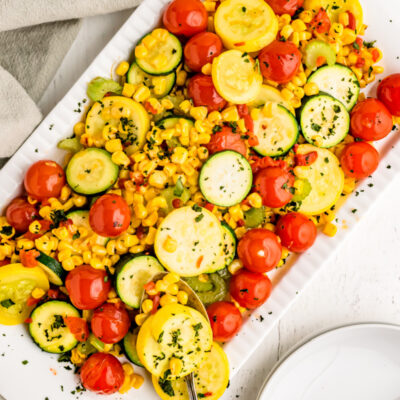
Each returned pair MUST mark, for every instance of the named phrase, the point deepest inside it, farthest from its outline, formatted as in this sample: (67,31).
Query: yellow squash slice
(269,93)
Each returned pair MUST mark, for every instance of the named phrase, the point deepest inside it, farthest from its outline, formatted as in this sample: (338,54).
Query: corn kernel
(79,128)
(167,299)
(330,229)
(182,297)
(175,365)
(349,185)
(311,89)
(349,36)
(287,94)
(128,368)
(136,249)
(181,78)
(128,89)
(255,200)
(298,25)
(140,318)
(240,232)
(199,113)
(141,51)
(113,145)
(306,16)
(147,306)
(137,381)
(171,278)
(158,179)
(206,69)
(38,293)
(166,103)
(378,69)
(344,19)
(173,289)
(142,93)
(160,34)
(159,61)
(120,158)
(336,30)
(296,38)
(286,31)
(235,266)
(68,264)
(180,155)
(285,19)
(209,5)
(230,114)
(299,92)
(149,41)
(185,106)
(170,245)
(122,68)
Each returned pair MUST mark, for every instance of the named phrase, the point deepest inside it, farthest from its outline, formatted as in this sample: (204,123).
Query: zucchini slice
(159,86)
(189,241)
(338,81)
(132,274)
(325,177)
(53,269)
(229,244)
(48,329)
(129,344)
(324,121)
(277,133)
(170,121)
(270,94)
(91,171)
(163,58)
(225,178)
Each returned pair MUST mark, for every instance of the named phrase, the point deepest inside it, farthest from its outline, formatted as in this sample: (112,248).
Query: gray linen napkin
(35,35)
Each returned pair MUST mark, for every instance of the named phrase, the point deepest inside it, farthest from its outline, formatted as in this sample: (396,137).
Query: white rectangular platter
(43,377)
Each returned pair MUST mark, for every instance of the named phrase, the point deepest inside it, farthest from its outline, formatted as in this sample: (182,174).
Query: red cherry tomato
(20,214)
(259,250)
(359,160)
(296,231)
(226,139)
(78,327)
(185,17)
(280,61)
(110,215)
(321,22)
(110,322)
(102,373)
(274,185)
(201,49)
(44,179)
(389,93)
(225,320)
(371,120)
(202,91)
(250,289)
(87,287)
(281,7)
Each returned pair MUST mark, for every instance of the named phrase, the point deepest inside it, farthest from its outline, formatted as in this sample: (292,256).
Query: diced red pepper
(121,183)
(32,301)
(238,44)
(352,21)
(6,261)
(199,261)
(156,303)
(139,232)
(306,159)
(176,203)
(375,55)
(360,62)
(53,294)
(321,60)
(207,394)
(66,223)
(150,108)
(78,327)
(209,207)
(149,286)
(243,112)
(265,162)
(321,22)
(45,227)
(240,222)
(252,140)
(28,258)
(28,320)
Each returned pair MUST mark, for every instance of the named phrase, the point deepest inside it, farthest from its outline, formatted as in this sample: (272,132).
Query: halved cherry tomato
(244,113)
(280,61)
(225,320)
(306,159)
(371,120)
(359,160)
(202,49)
(259,250)
(110,322)
(44,179)
(102,373)
(110,215)
(185,17)
(352,21)
(226,139)
(20,214)
(321,22)
(87,287)
(297,232)
(281,7)
(78,327)
(250,289)
(28,258)
(274,185)
(265,162)
(202,91)
(389,93)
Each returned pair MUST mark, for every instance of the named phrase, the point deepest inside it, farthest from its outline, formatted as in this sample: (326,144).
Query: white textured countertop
(360,284)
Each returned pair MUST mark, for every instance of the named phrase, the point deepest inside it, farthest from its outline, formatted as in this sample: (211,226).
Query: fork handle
(191,387)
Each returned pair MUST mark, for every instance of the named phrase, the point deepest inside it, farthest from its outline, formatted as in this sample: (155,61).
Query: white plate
(37,377)
(350,363)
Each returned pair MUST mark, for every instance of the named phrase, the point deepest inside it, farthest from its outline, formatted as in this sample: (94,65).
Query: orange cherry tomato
(281,7)
(250,289)
(321,22)
(44,179)
(389,93)
(102,373)
(275,186)
(280,61)
(226,139)
(78,327)
(370,120)
(110,322)
(110,215)
(359,160)
(20,214)
(88,287)
(296,231)
(225,320)
(202,49)
(185,17)
(202,91)
(259,250)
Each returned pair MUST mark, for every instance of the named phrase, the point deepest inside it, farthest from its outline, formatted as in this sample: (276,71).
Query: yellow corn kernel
(147,306)
(235,266)
(122,68)
(182,297)
(140,318)
(352,58)
(38,293)
(204,138)
(141,51)
(78,260)
(171,277)
(113,145)
(158,179)
(120,158)
(306,16)
(64,254)
(166,103)
(349,36)
(206,68)
(151,220)
(230,114)
(255,200)
(173,289)
(344,18)
(160,34)
(209,5)
(378,69)
(99,250)
(236,212)
(285,252)
(79,128)
(160,60)
(97,263)
(142,93)
(180,155)
(296,38)
(311,89)
(140,211)
(68,264)
(185,106)
(330,229)
(128,89)
(240,232)
(287,94)
(149,41)
(128,368)
(35,227)
(336,30)
(181,78)
(298,25)
(214,117)
(328,216)
(175,365)
(170,244)
(86,255)
(167,299)
(299,92)
(109,132)
(202,153)
(161,285)
(137,381)
(136,249)
(255,113)
(285,19)
(286,31)
(357,72)
(269,226)
(199,113)
(349,185)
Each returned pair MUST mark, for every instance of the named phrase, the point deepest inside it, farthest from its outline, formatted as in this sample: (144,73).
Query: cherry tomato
(281,7)
(225,320)
(202,91)
(259,250)
(110,322)
(226,139)
(102,373)
(280,61)
(20,214)
(359,160)
(78,327)
(185,17)
(297,232)
(87,287)
(389,93)
(201,49)
(275,185)
(44,179)
(321,22)
(250,289)
(110,215)
(371,120)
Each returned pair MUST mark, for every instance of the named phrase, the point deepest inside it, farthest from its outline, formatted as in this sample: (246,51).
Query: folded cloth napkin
(34,38)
